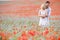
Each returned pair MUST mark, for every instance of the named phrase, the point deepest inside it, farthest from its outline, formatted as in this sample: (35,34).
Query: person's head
(43,7)
(47,3)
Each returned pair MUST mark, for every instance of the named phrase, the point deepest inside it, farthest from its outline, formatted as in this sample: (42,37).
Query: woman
(43,15)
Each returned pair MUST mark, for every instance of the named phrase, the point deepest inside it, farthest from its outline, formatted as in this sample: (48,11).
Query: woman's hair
(43,7)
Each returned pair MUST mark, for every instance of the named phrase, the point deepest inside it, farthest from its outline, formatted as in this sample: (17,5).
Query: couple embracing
(44,14)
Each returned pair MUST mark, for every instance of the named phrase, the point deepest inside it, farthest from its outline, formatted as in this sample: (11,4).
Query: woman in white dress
(43,15)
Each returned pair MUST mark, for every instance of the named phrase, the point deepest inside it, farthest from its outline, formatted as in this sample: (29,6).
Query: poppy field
(19,20)
(26,29)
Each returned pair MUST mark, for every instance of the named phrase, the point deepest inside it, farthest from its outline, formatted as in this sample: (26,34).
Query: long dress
(44,22)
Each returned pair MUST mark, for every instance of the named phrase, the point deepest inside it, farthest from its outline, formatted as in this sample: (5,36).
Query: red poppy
(24,36)
(45,32)
(47,38)
(3,35)
(24,33)
(32,33)
(14,32)
(19,38)
(52,37)
(58,37)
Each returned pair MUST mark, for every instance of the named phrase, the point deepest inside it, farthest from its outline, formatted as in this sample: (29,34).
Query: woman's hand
(43,16)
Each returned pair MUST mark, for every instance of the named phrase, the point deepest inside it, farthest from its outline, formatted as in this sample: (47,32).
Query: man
(44,19)
(47,3)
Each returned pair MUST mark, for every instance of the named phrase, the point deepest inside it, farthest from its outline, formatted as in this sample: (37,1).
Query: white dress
(44,22)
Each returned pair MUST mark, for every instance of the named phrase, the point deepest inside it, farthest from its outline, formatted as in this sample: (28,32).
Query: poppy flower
(52,37)
(3,35)
(58,38)
(14,32)
(23,33)
(45,32)
(32,33)
(19,38)
(24,36)
(47,38)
